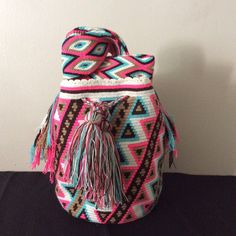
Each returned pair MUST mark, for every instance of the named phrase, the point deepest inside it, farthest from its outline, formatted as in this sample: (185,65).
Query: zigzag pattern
(126,66)
(133,122)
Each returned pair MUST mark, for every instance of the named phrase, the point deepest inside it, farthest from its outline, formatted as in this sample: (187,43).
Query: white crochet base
(94,82)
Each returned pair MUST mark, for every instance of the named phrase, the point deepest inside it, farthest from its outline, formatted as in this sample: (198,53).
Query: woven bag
(106,134)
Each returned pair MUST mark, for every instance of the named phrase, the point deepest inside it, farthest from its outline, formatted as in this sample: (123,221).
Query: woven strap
(85,49)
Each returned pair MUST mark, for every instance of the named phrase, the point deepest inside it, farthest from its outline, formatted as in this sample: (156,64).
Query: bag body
(106,134)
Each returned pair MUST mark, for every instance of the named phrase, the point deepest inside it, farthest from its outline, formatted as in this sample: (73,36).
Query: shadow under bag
(106,133)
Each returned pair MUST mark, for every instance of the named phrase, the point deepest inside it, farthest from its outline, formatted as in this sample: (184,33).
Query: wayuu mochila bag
(106,134)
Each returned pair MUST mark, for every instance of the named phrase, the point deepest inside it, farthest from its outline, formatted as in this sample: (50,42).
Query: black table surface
(188,205)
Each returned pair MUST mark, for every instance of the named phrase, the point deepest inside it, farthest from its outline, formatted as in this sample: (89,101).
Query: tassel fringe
(171,137)
(44,145)
(93,160)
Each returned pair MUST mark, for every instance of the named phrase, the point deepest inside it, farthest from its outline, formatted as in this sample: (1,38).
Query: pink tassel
(49,165)
(36,160)
(44,146)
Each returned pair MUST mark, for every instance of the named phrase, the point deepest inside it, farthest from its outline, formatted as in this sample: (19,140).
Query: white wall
(195,46)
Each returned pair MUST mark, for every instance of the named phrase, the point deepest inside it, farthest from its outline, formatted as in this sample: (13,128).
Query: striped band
(75,89)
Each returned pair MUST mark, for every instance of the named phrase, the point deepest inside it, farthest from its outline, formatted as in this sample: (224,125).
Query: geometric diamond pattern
(84,65)
(99,49)
(86,44)
(79,45)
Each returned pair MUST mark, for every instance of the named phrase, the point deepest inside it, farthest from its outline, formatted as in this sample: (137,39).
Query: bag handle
(85,49)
